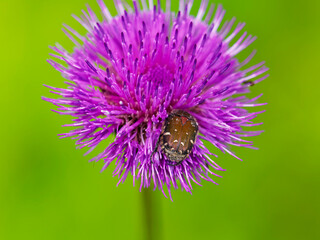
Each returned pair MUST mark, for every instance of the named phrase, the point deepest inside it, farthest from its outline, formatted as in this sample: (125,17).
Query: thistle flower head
(131,71)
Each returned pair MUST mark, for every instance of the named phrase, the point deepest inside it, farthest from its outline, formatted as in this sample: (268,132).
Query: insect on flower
(166,83)
(177,137)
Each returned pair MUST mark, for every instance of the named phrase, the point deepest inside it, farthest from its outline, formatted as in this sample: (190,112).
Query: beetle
(177,137)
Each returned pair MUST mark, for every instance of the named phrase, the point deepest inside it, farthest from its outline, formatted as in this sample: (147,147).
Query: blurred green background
(48,190)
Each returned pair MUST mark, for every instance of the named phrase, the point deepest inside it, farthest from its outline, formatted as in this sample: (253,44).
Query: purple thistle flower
(131,71)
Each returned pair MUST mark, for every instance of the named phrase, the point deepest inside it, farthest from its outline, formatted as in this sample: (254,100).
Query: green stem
(148,213)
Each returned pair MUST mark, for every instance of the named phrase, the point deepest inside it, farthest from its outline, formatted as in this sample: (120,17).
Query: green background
(48,190)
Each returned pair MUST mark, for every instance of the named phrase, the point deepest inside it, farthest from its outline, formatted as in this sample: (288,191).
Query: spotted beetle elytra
(177,137)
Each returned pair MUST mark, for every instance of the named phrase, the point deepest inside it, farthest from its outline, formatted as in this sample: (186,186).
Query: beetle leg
(155,149)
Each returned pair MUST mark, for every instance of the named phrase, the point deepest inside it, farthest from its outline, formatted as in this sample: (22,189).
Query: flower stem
(150,214)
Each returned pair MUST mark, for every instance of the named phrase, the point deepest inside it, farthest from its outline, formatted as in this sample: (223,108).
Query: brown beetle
(177,137)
